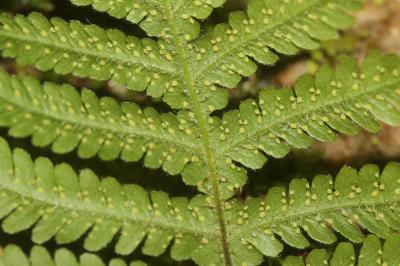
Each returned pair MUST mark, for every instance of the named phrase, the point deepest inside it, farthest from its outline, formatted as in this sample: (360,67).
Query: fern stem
(210,158)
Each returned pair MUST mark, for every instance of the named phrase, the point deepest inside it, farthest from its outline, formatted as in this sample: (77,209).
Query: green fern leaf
(354,201)
(371,253)
(58,115)
(269,26)
(192,72)
(340,101)
(88,51)
(220,59)
(150,14)
(335,101)
(317,109)
(170,68)
(57,203)
(13,255)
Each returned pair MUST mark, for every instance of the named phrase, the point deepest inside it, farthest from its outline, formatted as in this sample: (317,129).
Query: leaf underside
(151,16)
(371,253)
(191,70)
(217,60)
(58,203)
(342,101)
(60,116)
(334,101)
(40,256)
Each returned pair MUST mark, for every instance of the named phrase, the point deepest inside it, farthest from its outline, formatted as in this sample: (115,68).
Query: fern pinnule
(87,51)
(60,116)
(371,253)
(151,17)
(268,28)
(353,201)
(39,256)
(335,101)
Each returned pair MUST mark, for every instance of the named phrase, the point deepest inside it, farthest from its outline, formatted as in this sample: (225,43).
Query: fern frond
(60,116)
(355,201)
(150,14)
(13,255)
(316,109)
(88,51)
(371,253)
(268,28)
(57,203)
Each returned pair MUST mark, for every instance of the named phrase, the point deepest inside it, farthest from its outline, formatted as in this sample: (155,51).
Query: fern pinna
(191,70)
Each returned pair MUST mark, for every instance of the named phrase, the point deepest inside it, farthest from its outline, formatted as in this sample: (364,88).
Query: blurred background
(377,27)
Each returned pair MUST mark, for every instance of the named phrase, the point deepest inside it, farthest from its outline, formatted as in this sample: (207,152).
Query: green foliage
(334,101)
(371,253)
(60,116)
(354,201)
(61,204)
(316,109)
(268,28)
(87,51)
(191,70)
(210,62)
(39,256)
(58,203)
(152,14)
